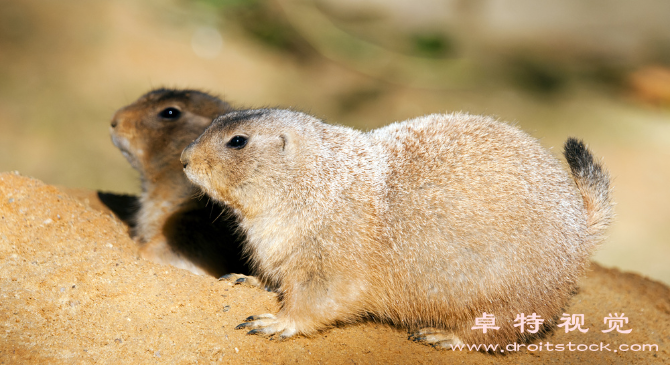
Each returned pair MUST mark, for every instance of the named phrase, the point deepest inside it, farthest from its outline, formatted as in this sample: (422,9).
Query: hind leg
(436,337)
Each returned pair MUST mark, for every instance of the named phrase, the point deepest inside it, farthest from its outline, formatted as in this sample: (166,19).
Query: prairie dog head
(152,131)
(249,159)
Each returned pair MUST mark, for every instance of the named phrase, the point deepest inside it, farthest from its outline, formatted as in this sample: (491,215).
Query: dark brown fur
(175,223)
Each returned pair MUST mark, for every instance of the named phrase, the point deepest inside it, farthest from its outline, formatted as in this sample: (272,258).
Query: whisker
(198,194)
(219,216)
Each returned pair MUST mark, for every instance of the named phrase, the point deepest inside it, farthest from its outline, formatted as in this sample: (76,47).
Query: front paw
(267,325)
(243,279)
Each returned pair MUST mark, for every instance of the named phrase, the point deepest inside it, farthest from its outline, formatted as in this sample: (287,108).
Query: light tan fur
(173,224)
(424,223)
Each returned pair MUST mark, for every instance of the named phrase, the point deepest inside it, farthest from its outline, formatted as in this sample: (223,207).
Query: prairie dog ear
(290,141)
(287,141)
(199,120)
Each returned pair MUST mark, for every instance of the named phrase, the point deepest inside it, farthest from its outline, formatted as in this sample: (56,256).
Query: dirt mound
(72,289)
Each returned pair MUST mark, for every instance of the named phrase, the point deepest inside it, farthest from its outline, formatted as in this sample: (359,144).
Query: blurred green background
(598,70)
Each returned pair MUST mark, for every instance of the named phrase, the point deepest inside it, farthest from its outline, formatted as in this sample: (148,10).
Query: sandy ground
(73,290)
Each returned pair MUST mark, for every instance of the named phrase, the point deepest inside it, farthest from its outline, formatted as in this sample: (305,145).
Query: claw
(242,279)
(227,277)
(260,316)
(267,325)
(243,325)
(236,279)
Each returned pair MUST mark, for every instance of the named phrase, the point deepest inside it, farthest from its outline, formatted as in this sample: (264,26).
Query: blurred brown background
(598,70)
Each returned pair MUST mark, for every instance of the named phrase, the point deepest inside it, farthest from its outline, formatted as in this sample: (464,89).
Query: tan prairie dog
(173,225)
(425,224)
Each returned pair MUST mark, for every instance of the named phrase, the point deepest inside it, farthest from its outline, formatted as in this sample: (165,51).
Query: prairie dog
(425,224)
(172,225)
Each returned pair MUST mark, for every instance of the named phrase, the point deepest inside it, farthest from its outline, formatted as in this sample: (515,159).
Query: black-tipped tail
(580,159)
(593,182)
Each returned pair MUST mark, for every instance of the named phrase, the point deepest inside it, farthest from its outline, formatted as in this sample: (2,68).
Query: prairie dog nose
(186,155)
(114,123)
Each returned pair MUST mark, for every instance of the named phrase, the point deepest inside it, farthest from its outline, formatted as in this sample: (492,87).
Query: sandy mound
(73,290)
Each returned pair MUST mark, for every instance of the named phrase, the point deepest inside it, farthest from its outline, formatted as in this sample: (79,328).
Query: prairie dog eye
(237,142)
(170,113)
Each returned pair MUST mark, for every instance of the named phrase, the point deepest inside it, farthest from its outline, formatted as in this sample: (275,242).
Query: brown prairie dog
(426,223)
(172,225)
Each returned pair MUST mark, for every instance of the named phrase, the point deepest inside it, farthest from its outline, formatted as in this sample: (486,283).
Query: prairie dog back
(513,219)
